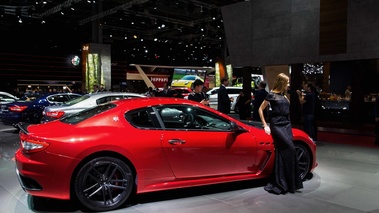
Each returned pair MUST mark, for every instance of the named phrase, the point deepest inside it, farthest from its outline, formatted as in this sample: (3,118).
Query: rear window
(30,97)
(57,98)
(88,113)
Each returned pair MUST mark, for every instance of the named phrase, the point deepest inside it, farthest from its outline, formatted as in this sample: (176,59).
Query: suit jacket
(223,100)
(259,97)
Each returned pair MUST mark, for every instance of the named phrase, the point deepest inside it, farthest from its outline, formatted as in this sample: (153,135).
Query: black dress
(286,175)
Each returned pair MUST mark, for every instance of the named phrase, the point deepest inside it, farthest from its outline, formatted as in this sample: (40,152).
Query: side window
(192,118)
(141,118)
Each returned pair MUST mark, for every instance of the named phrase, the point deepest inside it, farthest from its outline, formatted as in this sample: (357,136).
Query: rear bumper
(37,178)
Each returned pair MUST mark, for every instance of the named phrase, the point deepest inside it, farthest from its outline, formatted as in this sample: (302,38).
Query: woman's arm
(260,111)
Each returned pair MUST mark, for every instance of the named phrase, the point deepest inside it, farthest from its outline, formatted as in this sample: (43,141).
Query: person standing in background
(198,95)
(223,100)
(307,101)
(243,104)
(348,93)
(166,92)
(286,175)
(259,97)
(102,88)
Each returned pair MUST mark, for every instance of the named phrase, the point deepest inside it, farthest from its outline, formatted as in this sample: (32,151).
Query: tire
(104,184)
(304,160)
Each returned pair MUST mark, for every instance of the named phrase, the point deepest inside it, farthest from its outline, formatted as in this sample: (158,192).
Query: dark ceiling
(168,32)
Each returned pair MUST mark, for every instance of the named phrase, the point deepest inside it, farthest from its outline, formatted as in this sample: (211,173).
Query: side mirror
(235,128)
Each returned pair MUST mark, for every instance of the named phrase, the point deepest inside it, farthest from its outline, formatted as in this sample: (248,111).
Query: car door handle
(176,142)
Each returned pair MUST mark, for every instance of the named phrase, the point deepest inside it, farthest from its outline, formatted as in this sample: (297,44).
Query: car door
(198,143)
(213,97)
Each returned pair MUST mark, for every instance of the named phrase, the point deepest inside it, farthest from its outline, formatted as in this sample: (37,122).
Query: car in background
(233,93)
(185,81)
(86,101)
(6,98)
(103,156)
(29,107)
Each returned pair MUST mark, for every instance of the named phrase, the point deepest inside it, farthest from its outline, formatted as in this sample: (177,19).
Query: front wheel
(304,160)
(104,183)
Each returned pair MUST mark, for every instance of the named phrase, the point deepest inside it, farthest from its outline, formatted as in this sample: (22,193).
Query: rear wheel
(304,160)
(104,183)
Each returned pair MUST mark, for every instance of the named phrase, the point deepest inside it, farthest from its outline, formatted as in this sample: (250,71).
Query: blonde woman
(286,175)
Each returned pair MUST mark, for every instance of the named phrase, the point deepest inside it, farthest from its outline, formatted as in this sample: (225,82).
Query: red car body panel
(206,157)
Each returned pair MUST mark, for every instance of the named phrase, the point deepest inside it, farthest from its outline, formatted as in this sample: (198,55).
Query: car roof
(101,94)
(8,94)
(153,101)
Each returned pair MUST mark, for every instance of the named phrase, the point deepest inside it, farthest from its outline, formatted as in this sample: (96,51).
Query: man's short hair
(197,82)
(224,79)
(262,84)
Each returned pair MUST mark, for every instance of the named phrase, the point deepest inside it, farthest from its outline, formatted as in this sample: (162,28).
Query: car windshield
(88,113)
(76,100)
(189,77)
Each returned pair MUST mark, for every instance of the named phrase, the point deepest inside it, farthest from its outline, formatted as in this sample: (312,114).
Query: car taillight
(55,114)
(30,145)
(16,108)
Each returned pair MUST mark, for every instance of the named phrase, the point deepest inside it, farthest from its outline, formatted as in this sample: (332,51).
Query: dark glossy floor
(346,180)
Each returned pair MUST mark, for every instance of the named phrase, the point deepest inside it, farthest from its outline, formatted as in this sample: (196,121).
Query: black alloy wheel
(304,160)
(104,183)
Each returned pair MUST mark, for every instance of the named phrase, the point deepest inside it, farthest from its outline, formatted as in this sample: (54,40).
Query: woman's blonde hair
(281,83)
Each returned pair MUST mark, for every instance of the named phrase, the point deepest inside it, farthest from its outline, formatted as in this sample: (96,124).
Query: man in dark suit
(223,100)
(259,96)
(166,92)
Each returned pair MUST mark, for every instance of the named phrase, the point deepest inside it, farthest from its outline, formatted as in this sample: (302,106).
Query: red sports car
(103,155)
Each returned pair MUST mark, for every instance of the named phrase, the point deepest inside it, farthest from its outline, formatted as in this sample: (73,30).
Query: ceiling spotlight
(155,39)
(44,2)
(62,13)
(43,22)
(20,21)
